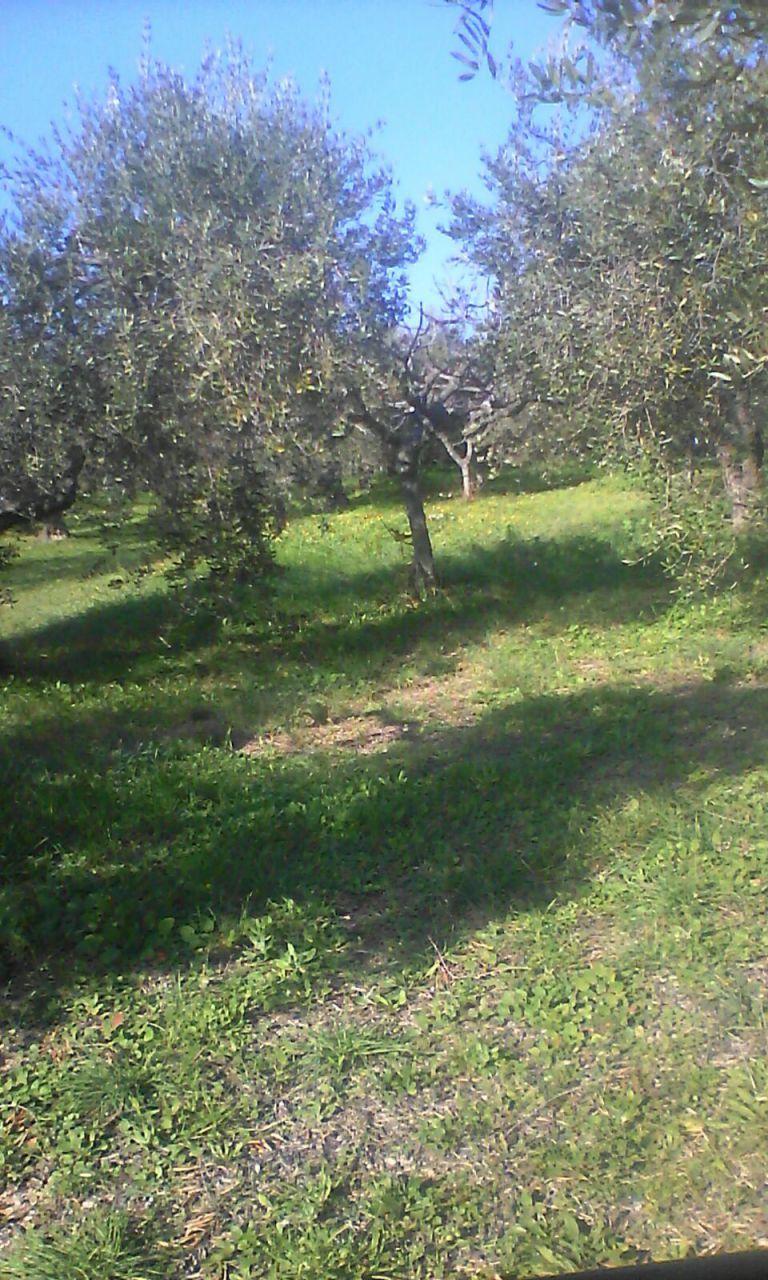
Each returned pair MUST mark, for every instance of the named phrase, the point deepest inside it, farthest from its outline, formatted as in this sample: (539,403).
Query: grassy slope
(385,939)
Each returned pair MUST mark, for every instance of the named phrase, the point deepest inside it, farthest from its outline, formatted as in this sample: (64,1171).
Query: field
(367,938)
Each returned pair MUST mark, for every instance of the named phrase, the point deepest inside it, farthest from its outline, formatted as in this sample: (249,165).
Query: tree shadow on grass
(514,580)
(532,477)
(143,643)
(80,556)
(445,482)
(483,586)
(34,573)
(413,845)
(105,642)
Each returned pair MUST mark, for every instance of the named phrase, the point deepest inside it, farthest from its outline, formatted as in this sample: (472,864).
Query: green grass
(375,938)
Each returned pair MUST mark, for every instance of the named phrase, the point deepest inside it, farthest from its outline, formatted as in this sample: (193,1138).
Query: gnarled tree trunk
(742,483)
(743,475)
(22,502)
(463,455)
(403,447)
(470,481)
(406,465)
(329,487)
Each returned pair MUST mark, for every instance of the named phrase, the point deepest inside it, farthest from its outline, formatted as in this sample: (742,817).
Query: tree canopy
(188,273)
(631,29)
(629,265)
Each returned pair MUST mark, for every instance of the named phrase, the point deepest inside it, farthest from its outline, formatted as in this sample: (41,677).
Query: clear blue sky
(388,61)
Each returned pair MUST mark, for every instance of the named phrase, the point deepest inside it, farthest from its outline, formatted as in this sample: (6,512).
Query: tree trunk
(406,465)
(54,529)
(330,487)
(403,448)
(692,458)
(743,477)
(22,502)
(469,482)
(742,483)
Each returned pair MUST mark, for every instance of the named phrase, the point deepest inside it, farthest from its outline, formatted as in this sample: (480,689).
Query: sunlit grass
(365,936)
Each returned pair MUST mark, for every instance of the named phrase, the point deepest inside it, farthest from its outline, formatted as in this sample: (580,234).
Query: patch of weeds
(549,1234)
(395,1226)
(341,1049)
(106,1246)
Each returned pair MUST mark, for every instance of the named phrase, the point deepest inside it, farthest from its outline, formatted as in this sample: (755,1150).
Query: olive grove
(629,260)
(203,294)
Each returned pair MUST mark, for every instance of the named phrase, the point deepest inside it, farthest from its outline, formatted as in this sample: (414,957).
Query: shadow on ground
(81,555)
(412,846)
(108,641)
(532,477)
(576,580)
(513,579)
(444,482)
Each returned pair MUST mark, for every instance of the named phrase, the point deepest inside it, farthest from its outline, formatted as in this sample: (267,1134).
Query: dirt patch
(365,735)
(420,708)
(449,701)
(604,671)
(598,669)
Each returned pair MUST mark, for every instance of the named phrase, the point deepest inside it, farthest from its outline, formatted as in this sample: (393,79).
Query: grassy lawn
(375,939)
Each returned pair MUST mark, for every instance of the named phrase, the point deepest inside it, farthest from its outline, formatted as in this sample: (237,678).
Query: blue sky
(388,61)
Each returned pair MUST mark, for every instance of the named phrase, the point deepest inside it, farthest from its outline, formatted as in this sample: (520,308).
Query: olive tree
(628,268)
(189,270)
(428,392)
(633,30)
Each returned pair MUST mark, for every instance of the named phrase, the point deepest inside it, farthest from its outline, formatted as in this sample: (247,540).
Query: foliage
(634,26)
(185,272)
(628,270)
(630,29)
